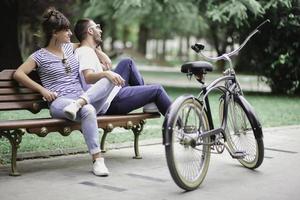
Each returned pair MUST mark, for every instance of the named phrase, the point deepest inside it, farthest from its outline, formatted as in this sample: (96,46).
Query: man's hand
(115,78)
(104,59)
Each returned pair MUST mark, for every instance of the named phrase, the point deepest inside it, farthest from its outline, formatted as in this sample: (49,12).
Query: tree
(225,20)
(155,18)
(22,27)
(274,53)
(10,56)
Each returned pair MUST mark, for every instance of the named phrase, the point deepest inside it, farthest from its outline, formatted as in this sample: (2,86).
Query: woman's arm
(21,75)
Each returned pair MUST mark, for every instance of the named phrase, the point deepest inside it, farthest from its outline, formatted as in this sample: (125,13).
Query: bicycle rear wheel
(241,133)
(187,153)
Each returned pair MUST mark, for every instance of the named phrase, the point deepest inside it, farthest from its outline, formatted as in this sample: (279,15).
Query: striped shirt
(52,70)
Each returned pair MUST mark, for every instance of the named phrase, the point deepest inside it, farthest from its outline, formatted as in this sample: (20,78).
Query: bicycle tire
(188,165)
(243,132)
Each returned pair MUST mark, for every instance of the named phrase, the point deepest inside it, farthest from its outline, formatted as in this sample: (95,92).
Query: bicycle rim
(188,165)
(240,135)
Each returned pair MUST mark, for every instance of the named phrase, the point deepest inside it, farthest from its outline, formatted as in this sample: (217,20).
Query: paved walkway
(70,177)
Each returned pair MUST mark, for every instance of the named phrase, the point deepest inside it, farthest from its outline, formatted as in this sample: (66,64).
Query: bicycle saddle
(197,67)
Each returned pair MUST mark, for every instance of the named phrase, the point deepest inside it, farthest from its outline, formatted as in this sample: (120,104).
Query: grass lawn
(272,111)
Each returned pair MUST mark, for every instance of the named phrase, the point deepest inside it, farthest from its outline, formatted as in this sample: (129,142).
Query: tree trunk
(125,35)
(156,49)
(188,44)
(179,54)
(142,40)
(113,34)
(10,56)
(163,55)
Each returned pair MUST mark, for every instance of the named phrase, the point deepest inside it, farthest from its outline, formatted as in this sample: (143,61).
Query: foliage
(274,53)
(225,18)
(164,18)
(30,20)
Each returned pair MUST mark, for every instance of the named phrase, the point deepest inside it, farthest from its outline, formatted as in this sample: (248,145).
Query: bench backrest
(14,96)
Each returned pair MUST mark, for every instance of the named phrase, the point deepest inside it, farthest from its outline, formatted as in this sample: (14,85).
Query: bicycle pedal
(238,154)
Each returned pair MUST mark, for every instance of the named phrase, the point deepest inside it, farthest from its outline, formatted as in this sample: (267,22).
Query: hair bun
(50,12)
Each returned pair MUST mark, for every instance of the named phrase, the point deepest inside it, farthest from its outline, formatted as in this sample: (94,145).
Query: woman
(58,67)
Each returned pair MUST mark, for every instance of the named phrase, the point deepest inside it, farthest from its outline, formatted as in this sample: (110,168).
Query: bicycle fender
(252,117)
(170,115)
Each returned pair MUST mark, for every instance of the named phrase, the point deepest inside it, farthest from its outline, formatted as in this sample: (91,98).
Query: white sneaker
(71,110)
(150,108)
(99,168)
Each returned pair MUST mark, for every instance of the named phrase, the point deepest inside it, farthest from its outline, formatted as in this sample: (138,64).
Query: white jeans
(87,115)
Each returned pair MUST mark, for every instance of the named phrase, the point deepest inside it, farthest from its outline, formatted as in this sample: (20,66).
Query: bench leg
(103,138)
(15,138)
(137,131)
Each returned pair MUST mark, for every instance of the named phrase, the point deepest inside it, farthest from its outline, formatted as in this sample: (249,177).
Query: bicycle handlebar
(199,47)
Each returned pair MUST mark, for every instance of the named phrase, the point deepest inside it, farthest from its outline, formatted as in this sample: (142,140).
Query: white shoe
(99,168)
(150,108)
(71,110)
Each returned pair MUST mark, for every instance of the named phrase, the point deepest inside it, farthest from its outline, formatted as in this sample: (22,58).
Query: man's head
(87,28)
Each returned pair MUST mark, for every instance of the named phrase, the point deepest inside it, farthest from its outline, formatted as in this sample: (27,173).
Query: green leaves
(233,11)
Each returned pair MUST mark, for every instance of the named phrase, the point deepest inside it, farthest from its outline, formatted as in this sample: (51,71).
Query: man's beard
(97,40)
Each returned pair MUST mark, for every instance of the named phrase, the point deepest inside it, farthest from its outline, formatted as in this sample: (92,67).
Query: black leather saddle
(198,67)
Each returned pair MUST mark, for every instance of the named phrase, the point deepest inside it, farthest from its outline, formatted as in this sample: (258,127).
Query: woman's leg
(133,97)
(87,116)
(129,72)
(89,128)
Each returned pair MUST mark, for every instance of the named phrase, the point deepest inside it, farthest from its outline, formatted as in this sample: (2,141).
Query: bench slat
(33,106)
(7,84)
(117,120)
(16,91)
(7,75)
(16,97)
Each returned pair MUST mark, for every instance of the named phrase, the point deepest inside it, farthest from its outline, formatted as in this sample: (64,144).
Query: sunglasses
(68,69)
(97,26)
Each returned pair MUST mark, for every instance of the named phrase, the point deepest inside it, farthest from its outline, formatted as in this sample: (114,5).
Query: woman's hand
(47,95)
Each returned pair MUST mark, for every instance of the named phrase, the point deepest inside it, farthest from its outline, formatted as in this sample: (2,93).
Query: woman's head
(53,23)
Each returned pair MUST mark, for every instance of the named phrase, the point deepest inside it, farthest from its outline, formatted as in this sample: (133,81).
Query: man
(130,92)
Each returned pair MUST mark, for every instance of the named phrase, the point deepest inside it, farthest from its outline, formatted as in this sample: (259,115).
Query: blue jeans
(87,115)
(134,94)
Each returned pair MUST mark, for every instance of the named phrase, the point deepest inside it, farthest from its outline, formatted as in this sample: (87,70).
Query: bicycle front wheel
(242,133)
(187,153)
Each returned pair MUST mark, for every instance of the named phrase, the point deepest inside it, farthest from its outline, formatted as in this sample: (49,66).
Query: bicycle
(188,130)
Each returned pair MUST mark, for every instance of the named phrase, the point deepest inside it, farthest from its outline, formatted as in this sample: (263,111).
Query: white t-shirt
(88,59)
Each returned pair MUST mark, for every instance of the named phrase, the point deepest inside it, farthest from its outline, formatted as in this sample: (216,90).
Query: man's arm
(92,77)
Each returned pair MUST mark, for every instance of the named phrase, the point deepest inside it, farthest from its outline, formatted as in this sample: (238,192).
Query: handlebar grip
(198,47)
(263,23)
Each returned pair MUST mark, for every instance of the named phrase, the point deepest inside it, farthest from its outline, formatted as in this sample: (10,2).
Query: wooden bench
(14,96)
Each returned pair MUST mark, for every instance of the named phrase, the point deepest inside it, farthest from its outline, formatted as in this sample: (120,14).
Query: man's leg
(133,97)
(129,72)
